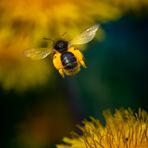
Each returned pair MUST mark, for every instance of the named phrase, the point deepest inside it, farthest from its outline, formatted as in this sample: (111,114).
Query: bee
(67,59)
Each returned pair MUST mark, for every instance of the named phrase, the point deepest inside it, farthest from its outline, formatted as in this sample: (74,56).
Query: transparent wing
(86,36)
(37,53)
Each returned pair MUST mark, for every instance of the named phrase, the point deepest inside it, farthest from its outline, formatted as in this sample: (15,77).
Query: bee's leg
(83,63)
(61,72)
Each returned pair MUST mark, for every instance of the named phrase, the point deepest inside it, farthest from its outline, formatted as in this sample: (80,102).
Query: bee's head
(61,46)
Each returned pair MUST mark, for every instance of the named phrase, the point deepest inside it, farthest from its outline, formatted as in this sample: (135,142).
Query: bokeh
(39,106)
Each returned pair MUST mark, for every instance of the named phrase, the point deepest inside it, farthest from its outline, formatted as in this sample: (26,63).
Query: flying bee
(67,59)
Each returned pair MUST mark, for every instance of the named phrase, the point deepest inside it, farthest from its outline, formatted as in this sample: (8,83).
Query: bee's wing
(37,53)
(86,36)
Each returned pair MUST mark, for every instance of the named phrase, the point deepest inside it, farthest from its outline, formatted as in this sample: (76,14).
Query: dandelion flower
(124,129)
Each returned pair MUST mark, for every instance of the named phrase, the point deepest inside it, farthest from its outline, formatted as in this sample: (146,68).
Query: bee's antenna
(64,33)
(47,39)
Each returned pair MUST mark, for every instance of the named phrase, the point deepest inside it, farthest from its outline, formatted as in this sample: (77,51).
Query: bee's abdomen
(68,60)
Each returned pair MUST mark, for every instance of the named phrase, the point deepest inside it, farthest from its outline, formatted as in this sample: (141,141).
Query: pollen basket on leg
(57,61)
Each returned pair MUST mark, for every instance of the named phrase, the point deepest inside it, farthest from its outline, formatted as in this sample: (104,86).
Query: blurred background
(39,107)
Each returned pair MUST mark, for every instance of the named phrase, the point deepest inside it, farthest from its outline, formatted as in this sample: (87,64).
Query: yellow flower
(124,129)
